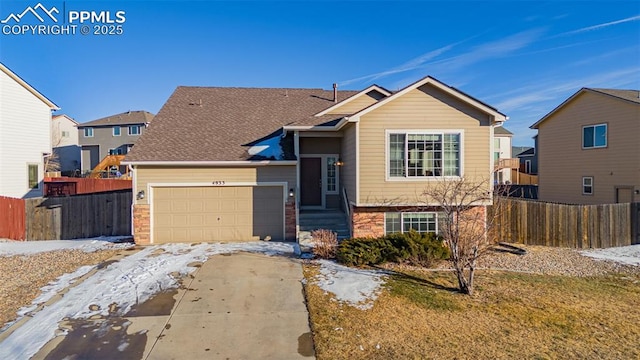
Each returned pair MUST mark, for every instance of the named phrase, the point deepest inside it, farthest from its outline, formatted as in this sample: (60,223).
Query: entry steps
(333,220)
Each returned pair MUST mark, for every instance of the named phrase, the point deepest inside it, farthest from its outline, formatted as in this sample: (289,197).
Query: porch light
(140,195)
(291,193)
(339,163)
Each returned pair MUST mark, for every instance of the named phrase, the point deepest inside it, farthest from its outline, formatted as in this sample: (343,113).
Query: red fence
(12,218)
(71,186)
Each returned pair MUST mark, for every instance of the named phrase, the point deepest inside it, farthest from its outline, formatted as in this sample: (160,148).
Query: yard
(549,304)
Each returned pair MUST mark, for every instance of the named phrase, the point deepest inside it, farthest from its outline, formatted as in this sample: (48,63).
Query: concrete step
(332,228)
(324,215)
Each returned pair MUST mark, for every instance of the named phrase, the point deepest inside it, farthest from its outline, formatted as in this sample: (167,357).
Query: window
(594,136)
(65,134)
(33,176)
(116,131)
(414,155)
(587,185)
(134,129)
(421,222)
(331,175)
(496,149)
(88,132)
(117,151)
(527,166)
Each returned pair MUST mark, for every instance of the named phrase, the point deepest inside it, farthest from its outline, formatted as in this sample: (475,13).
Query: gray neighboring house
(112,135)
(529,159)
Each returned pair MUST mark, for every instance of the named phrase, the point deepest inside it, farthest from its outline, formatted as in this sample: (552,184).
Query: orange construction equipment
(104,167)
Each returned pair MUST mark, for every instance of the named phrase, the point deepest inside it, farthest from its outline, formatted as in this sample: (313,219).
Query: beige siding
(425,108)
(563,162)
(358,103)
(320,145)
(348,153)
(154,174)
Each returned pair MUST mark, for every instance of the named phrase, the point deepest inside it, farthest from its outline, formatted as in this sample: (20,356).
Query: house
(112,135)
(503,162)
(588,148)
(234,164)
(25,136)
(64,139)
(529,159)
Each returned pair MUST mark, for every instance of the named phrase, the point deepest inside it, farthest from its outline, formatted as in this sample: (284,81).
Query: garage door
(229,213)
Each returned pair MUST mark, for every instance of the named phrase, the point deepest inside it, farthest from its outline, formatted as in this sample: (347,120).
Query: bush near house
(419,249)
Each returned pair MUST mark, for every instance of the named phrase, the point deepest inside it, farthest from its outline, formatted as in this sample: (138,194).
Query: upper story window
(594,136)
(134,129)
(65,134)
(419,155)
(88,132)
(116,131)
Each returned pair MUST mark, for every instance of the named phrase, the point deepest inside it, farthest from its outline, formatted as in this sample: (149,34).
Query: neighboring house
(502,151)
(529,159)
(112,135)
(235,164)
(588,148)
(64,139)
(25,136)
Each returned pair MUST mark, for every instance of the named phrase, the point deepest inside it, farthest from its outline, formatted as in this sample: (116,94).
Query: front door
(311,181)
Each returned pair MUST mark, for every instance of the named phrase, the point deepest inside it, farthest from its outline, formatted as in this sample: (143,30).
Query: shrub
(413,247)
(325,243)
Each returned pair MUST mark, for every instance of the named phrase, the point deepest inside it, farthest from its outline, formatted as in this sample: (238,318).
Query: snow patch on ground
(125,283)
(628,255)
(357,287)
(12,248)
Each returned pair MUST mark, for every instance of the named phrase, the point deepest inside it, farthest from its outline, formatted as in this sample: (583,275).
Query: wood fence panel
(12,218)
(79,216)
(562,225)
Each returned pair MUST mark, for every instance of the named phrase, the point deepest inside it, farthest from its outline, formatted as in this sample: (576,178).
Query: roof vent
(335,92)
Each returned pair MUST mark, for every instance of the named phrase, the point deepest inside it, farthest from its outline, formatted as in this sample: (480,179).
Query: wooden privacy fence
(560,225)
(12,220)
(79,216)
(63,186)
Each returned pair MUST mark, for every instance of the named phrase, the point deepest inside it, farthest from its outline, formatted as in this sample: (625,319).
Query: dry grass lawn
(512,316)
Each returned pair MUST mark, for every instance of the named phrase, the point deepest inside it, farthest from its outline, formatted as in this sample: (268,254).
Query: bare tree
(52,160)
(465,223)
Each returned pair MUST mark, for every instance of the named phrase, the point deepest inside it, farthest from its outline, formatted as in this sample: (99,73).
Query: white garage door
(228,213)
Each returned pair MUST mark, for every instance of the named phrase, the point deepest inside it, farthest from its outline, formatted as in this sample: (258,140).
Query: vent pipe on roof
(335,92)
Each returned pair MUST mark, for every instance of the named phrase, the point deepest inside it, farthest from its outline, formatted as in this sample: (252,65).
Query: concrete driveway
(238,306)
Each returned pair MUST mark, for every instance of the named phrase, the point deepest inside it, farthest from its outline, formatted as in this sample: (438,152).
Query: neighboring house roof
(126,118)
(222,124)
(529,152)
(63,116)
(632,96)
(28,87)
(500,130)
(517,150)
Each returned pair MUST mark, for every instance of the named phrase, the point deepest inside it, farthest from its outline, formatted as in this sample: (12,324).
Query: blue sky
(523,57)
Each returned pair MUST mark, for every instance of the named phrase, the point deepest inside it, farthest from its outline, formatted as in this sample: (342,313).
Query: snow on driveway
(357,287)
(629,255)
(12,247)
(125,283)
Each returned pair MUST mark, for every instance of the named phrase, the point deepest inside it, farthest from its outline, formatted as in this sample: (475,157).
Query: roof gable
(629,96)
(28,87)
(374,91)
(64,117)
(498,116)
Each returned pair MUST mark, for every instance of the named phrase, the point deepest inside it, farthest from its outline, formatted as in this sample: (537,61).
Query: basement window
(422,222)
(587,185)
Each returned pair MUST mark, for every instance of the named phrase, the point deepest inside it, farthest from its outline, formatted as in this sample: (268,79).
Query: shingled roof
(126,118)
(221,124)
(630,95)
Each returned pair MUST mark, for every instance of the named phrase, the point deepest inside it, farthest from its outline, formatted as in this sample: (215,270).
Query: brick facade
(367,222)
(290,223)
(141,224)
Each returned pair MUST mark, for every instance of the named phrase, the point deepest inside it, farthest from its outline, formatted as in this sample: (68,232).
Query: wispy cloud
(409,65)
(600,26)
